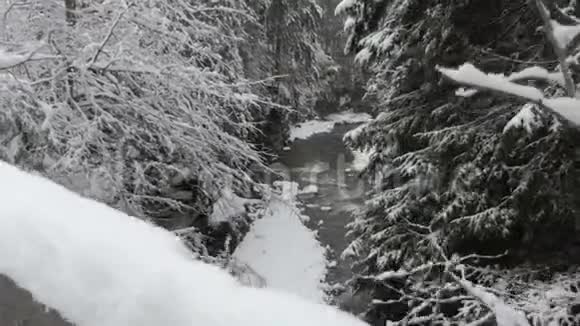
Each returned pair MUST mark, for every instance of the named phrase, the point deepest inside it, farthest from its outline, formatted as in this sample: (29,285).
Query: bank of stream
(327,173)
(296,245)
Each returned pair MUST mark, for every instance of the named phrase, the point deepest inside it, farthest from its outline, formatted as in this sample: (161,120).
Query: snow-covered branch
(505,315)
(469,75)
(447,281)
(136,92)
(561,37)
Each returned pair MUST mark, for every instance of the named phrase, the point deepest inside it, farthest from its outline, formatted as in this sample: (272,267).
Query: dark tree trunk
(70,7)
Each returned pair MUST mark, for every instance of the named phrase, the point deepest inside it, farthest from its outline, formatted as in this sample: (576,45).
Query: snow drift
(100,267)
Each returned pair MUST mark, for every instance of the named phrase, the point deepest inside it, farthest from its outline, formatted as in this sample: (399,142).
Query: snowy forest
(289,162)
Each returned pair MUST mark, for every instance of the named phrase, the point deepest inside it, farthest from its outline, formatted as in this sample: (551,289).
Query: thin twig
(5,18)
(531,62)
(107,38)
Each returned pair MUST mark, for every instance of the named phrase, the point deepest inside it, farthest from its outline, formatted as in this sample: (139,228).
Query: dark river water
(324,161)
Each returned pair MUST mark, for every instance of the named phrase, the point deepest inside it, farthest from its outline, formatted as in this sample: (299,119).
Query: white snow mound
(286,253)
(100,267)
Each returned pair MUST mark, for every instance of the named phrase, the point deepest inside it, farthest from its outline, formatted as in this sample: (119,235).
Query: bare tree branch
(108,37)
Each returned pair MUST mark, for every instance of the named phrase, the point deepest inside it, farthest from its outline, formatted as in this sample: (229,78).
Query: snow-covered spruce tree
(124,100)
(281,53)
(345,87)
(297,55)
(481,175)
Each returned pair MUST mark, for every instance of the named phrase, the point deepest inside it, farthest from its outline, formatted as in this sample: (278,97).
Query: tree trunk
(70,7)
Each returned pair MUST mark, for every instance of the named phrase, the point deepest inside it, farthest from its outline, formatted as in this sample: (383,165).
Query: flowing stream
(326,171)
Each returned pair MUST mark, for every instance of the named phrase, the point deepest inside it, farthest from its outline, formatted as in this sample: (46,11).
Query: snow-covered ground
(99,267)
(313,127)
(284,251)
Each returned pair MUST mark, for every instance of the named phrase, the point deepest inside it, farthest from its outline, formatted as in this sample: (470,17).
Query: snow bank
(307,129)
(284,251)
(100,267)
(349,117)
